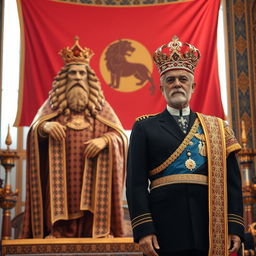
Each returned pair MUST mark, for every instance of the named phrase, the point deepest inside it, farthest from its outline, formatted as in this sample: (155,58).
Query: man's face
(177,87)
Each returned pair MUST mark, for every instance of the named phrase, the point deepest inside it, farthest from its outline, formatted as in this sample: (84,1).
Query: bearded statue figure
(76,151)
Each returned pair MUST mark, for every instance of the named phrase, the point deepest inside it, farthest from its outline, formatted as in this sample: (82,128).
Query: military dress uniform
(167,183)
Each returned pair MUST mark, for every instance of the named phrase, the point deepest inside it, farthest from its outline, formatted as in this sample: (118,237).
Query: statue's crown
(175,56)
(76,54)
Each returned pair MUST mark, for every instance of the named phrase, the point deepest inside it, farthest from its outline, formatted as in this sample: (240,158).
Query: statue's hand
(55,129)
(94,146)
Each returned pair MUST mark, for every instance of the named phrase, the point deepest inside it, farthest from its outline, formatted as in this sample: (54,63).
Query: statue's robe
(68,195)
(188,207)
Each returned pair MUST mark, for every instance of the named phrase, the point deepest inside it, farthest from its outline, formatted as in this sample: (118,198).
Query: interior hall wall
(241,40)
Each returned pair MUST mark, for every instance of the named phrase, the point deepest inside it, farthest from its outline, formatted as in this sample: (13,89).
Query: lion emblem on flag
(119,66)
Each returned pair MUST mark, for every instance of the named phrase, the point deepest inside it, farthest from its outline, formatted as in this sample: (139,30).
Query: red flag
(123,40)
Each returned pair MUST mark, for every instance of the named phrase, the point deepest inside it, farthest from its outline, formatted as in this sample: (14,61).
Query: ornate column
(248,186)
(8,198)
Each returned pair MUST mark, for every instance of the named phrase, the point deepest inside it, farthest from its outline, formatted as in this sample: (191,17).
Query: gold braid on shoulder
(144,117)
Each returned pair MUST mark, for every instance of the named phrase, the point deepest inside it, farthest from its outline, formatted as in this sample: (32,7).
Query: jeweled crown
(76,54)
(175,56)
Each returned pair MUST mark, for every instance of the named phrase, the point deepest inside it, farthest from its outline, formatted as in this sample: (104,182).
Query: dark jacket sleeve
(137,184)
(235,199)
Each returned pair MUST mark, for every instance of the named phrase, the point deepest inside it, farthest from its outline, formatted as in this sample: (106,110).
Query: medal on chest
(190,163)
(201,146)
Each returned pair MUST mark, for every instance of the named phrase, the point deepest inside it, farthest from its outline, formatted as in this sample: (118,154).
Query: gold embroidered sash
(217,189)
(178,151)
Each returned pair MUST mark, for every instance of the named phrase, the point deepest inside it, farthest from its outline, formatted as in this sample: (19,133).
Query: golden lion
(119,67)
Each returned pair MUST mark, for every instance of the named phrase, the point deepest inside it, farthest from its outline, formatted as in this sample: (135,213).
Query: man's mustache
(177,91)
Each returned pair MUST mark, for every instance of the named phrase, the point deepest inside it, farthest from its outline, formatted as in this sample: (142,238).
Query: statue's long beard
(77,98)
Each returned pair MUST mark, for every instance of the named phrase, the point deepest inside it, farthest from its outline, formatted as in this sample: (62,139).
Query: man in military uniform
(183,181)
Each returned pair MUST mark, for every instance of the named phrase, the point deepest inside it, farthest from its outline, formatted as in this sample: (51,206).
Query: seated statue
(76,151)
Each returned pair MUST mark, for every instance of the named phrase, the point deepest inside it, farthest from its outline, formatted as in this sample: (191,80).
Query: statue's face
(77,75)
(177,87)
(77,89)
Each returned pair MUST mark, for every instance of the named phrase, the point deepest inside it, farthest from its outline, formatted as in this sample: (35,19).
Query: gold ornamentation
(231,141)
(179,56)
(179,178)
(178,151)
(146,217)
(190,164)
(144,117)
(76,54)
(200,136)
(236,218)
(142,222)
(201,146)
(217,187)
(141,216)
(78,123)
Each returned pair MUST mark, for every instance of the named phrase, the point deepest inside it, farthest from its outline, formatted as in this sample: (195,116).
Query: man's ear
(193,86)
(161,88)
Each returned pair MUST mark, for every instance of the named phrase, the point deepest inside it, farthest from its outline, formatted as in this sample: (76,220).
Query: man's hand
(94,146)
(148,244)
(236,243)
(55,130)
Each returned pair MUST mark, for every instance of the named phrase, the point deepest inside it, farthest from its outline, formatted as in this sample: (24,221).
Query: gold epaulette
(144,117)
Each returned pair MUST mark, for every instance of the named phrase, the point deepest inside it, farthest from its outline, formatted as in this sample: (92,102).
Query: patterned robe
(67,194)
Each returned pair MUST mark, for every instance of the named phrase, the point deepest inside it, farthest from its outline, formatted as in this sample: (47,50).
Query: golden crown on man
(175,56)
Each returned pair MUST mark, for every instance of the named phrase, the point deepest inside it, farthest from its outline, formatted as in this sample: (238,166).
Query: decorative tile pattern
(242,63)
(243,82)
(242,58)
(241,45)
(240,27)
(71,248)
(239,6)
